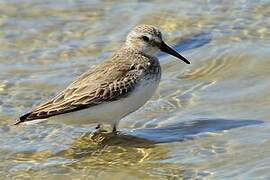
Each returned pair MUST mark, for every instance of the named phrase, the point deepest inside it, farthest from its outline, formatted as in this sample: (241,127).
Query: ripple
(46,44)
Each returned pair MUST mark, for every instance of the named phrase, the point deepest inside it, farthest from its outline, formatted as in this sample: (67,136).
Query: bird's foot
(99,130)
(100,135)
(114,131)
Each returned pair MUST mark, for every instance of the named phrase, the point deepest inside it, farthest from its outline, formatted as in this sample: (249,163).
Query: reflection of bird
(114,88)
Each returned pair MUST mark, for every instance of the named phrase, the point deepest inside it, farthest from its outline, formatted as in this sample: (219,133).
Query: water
(208,120)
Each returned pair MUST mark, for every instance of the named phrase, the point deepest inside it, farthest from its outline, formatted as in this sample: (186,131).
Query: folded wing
(88,90)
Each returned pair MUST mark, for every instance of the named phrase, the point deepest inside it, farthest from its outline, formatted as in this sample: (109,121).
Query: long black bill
(167,49)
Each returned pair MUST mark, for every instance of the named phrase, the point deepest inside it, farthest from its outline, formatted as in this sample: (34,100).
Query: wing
(107,82)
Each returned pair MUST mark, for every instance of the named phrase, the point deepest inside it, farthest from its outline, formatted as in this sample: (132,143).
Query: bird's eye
(145,38)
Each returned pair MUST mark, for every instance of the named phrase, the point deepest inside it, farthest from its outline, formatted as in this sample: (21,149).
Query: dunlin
(114,88)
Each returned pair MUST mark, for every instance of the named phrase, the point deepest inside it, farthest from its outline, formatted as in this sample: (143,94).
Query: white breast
(111,112)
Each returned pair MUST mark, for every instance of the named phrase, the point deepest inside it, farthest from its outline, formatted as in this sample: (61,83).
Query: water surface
(208,120)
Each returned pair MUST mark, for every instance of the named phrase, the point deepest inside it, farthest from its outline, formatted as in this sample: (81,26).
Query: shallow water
(208,120)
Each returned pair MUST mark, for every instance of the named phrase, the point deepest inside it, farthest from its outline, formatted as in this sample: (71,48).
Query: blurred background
(208,120)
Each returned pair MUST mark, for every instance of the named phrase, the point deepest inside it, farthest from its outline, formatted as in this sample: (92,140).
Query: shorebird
(113,89)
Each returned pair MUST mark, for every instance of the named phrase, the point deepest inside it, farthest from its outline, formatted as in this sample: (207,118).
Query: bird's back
(109,81)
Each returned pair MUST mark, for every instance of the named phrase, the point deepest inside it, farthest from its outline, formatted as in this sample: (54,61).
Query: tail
(22,119)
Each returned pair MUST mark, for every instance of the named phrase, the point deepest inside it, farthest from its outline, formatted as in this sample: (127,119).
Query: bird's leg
(98,126)
(114,128)
(98,129)
(114,131)
(97,136)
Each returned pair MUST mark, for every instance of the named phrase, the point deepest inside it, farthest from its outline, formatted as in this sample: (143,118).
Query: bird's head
(148,40)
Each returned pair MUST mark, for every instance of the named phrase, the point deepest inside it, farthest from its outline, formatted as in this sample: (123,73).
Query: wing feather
(80,95)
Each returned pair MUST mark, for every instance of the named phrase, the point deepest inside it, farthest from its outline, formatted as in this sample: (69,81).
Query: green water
(208,120)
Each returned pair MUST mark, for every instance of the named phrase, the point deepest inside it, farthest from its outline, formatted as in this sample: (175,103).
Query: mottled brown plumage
(132,70)
(109,81)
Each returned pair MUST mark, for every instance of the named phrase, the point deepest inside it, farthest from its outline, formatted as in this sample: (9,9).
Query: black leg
(114,128)
(98,126)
